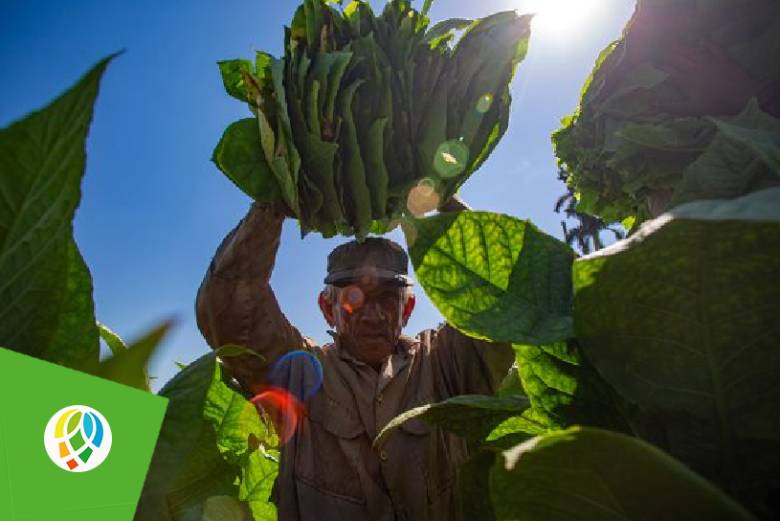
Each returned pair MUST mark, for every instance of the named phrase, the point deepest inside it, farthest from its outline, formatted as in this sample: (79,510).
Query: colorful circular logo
(77,438)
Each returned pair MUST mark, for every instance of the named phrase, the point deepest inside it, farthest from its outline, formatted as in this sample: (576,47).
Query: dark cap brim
(346,277)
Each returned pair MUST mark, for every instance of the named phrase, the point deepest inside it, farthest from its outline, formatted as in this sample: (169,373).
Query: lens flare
(423,198)
(451,158)
(282,408)
(299,372)
(351,299)
(426,186)
(410,232)
(484,103)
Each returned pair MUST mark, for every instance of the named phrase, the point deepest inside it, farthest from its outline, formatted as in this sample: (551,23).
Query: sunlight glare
(560,19)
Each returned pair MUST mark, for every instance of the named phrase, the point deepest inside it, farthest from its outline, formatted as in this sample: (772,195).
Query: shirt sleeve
(235,303)
(468,365)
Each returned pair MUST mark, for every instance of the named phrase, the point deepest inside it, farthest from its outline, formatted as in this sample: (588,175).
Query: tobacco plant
(367,118)
(649,131)
(645,385)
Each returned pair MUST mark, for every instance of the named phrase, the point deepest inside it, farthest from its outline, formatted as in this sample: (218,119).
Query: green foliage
(645,126)
(235,78)
(46,290)
(128,366)
(214,458)
(475,486)
(225,508)
(186,467)
(112,340)
(45,286)
(681,319)
(658,317)
(346,121)
(493,276)
(212,443)
(564,389)
(258,475)
(240,158)
(743,154)
(675,331)
(244,440)
(470,416)
(587,474)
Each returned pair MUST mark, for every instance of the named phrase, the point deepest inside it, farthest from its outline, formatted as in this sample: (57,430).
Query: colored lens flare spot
(298,372)
(423,198)
(484,103)
(410,232)
(282,408)
(352,299)
(451,158)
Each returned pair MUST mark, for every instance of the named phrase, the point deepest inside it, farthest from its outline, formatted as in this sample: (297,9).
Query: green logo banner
(72,446)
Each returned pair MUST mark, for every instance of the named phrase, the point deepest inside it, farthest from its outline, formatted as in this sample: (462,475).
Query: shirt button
(379,398)
(383,456)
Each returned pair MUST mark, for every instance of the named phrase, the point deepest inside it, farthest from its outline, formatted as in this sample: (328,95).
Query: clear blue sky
(154,207)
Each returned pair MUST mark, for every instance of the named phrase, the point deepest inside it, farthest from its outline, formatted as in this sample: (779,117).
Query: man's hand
(279,207)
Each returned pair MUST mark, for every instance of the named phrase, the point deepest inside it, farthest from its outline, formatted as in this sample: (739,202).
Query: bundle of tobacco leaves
(683,106)
(368,118)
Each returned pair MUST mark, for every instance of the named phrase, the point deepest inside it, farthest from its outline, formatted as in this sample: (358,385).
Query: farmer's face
(368,320)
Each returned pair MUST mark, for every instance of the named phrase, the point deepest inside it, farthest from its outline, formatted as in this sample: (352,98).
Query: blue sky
(154,207)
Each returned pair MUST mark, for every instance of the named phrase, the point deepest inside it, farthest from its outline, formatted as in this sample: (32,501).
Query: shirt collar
(404,349)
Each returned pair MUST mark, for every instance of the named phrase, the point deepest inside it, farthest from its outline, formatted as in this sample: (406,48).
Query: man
(329,468)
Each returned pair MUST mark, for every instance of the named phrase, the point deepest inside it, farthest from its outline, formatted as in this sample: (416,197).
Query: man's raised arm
(235,303)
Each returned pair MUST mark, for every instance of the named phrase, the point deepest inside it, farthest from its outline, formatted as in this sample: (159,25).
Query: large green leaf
(225,508)
(240,157)
(744,153)
(285,161)
(485,61)
(564,389)
(493,276)
(444,29)
(516,429)
(234,418)
(74,341)
(763,142)
(258,475)
(681,319)
(234,77)
(587,474)
(207,447)
(377,178)
(353,176)
(470,416)
(475,486)
(46,307)
(243,439)
(186,468)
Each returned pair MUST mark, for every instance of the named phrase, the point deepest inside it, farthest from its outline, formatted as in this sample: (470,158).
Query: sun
(560,18)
